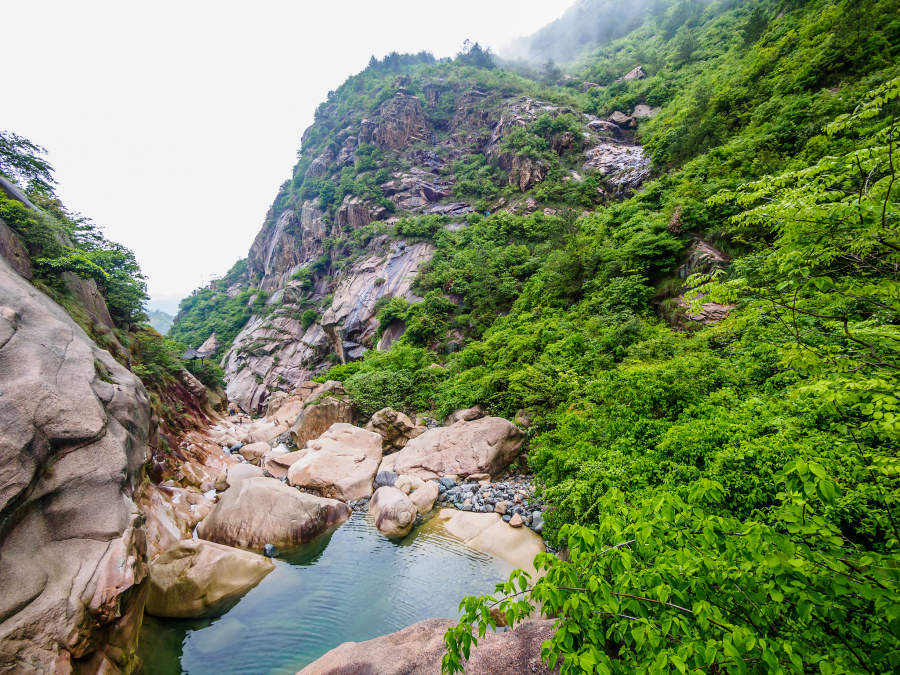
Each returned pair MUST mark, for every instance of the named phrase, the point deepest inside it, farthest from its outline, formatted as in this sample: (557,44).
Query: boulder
(198,578)
(385,478)
(485,445)
(424,497)
(523,418)
(407,484)
(74,427)
(419,649)
(644,111)
(620,119)
(393,512)
(260,511)
(464,415)
(235,473)
(395,429)
(340,464)
(279,465)
(254,451)
(263,431)
(387,463)
(317,418)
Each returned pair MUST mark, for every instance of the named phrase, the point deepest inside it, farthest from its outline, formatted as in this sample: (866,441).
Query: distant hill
(160,321)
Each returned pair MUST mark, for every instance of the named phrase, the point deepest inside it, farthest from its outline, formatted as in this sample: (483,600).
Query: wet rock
(270,551)
(197,578)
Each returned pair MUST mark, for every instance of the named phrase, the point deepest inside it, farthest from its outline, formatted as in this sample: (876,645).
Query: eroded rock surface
(198,578)
(74,439)
(395,429)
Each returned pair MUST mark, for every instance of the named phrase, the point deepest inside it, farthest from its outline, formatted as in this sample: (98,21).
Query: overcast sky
(171,124)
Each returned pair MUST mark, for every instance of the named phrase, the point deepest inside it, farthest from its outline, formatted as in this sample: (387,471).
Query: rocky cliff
(75,438)
(344,260)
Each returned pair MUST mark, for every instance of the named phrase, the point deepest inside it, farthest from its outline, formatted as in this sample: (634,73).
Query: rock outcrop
(488,533)
(485,445)
(340,464)
(317,418)
(420,648)
(74,440)
(393,512)
(260,511)
(198,578)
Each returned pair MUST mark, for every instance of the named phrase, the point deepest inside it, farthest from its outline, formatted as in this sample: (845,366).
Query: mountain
(676,261)
(160,321)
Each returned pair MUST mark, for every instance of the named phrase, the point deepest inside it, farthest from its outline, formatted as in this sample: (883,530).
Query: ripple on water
(351,584)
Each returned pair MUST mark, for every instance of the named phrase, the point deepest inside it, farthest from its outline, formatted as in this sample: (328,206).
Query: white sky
(171,123)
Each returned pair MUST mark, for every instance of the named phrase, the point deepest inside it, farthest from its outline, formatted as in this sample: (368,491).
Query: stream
(350,584)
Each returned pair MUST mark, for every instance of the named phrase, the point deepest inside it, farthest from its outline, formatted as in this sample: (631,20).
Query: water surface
(351,584)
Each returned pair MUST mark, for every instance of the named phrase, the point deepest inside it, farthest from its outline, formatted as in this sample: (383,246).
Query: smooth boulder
(198,578)
(316,418)
(393,512)
(340,464)
(260,511)
(235,473)
(424,497)
(253,451)
(485,445)
(419,649)
(488,533)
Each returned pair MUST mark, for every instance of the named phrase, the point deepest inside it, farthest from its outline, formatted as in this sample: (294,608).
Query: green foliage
(309,318)
(205,312)
(21,162)
(424,227)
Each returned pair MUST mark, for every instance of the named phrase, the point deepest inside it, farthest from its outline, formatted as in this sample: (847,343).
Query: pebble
(516,521)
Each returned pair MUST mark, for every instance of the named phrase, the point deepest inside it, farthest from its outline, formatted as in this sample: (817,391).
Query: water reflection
(350,584)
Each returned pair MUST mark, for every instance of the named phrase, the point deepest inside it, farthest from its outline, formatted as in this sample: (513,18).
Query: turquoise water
(351,584)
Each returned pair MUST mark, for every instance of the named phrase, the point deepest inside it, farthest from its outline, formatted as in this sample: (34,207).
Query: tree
(20,161)
(755,27)
(551,72)
(476,55)
(687,45)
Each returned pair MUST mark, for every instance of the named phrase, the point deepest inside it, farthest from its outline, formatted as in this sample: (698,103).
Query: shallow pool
(351,584)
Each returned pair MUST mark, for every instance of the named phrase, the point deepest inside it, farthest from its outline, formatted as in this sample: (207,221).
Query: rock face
(485,445)
(12,250)
(393,512)
(399,122)
(625,166)
(260,511)
(314,420)
(395,429)
(420,648)
(73,442)
(340,464)
(198,578)
(351,316)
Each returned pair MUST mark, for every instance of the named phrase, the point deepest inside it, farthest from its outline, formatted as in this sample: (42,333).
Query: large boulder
(340,464)
(486,445)
(200,578)
(393,512)
(278,465)
(419,649)
(252,452)
(315,419)
(395,429)
(260,511)
(74,428)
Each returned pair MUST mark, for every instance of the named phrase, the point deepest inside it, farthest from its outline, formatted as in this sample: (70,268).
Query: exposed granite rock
(419,649)
(393,512)
(395,429)
(12,250)
(484,445)
(399,122)
(73,555)
(198,578)
(624,166)
(260,511)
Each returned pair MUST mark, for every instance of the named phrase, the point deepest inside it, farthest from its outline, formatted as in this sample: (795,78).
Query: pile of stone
(513,499)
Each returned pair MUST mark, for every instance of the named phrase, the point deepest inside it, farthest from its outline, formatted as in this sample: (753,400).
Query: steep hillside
(706,355)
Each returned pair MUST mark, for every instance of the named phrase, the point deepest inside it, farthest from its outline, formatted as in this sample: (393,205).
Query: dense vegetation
(728,492)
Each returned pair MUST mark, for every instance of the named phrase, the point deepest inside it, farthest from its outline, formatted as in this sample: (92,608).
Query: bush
(309,318)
